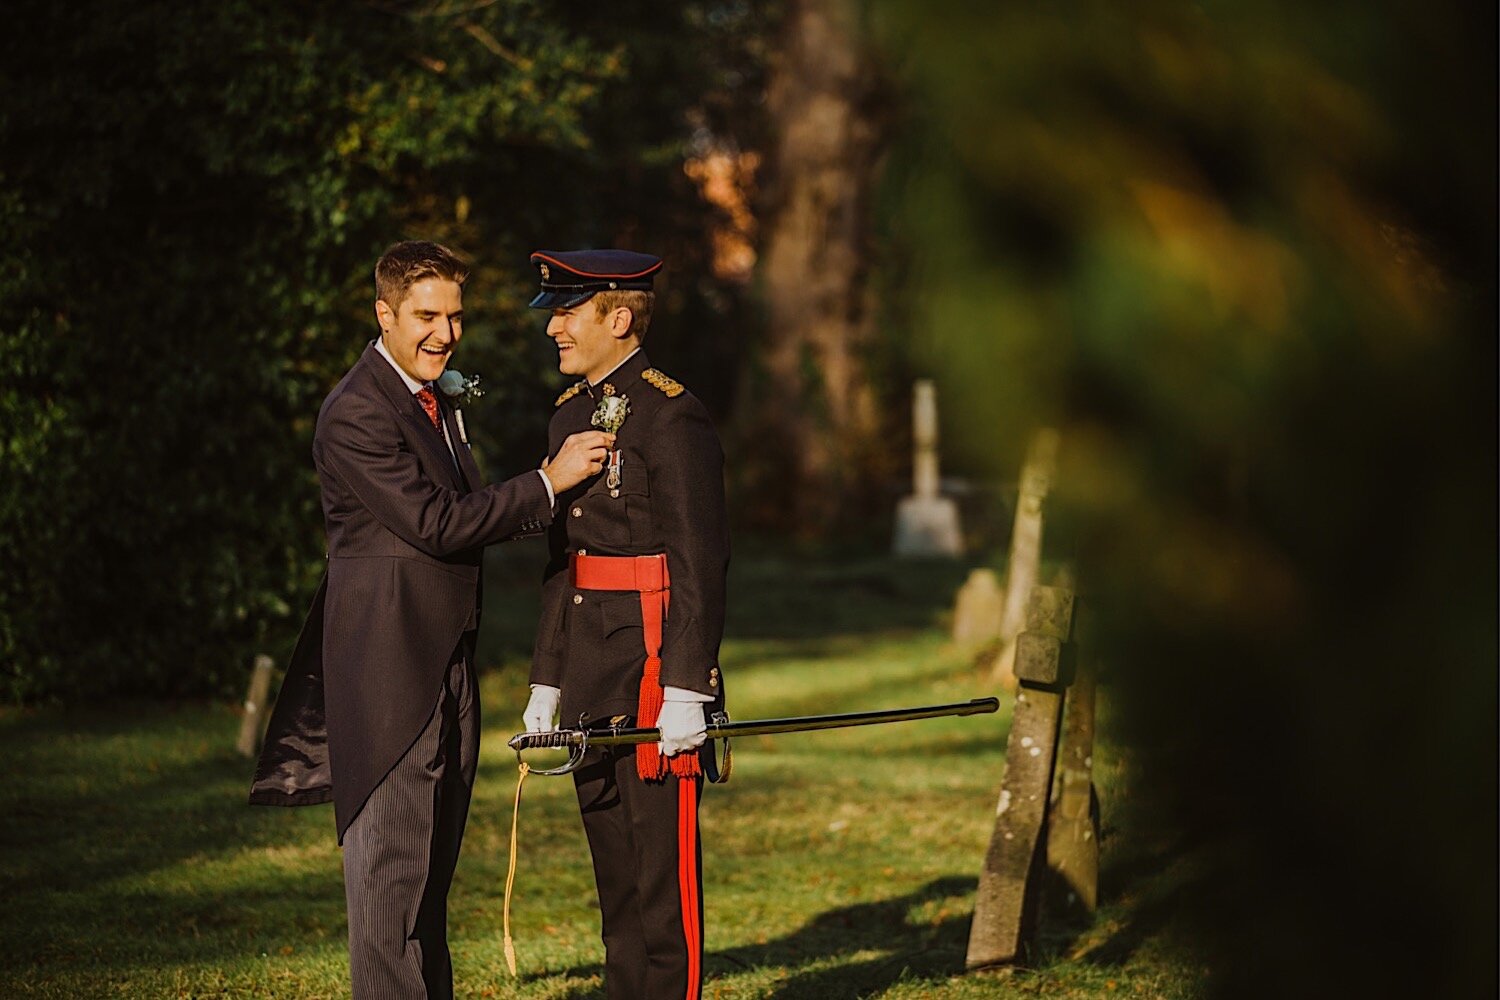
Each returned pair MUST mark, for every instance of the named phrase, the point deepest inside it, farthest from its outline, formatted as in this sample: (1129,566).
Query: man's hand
(682,726)
(581,455)
(541,711)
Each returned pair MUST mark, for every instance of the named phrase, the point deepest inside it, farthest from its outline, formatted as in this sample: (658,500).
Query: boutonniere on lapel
(459,389)
(609,416)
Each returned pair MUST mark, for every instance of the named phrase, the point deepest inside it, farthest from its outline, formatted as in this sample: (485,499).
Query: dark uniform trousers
(648,866)
(400,851)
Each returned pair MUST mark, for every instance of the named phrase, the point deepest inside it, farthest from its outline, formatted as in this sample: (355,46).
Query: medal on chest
(609,416)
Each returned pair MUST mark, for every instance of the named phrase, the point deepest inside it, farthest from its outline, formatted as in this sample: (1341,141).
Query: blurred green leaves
(1243,256)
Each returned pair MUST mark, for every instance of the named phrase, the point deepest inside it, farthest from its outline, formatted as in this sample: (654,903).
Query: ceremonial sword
(577,741)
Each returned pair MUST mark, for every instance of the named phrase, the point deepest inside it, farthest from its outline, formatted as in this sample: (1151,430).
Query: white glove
(541,711)
(682,726)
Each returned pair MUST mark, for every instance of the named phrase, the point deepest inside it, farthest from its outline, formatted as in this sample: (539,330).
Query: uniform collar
(635,362)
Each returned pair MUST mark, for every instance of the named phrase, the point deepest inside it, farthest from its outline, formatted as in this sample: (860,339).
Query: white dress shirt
(417,387)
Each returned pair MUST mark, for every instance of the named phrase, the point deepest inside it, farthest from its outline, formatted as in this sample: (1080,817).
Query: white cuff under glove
(682,726)
(541,711)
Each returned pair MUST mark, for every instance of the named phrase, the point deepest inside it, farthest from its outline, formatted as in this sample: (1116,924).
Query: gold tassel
(510,877)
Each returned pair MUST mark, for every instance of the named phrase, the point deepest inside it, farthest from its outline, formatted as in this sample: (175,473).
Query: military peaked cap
(571,276)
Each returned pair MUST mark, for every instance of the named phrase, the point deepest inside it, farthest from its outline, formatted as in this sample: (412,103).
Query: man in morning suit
(632,615)
(379,711)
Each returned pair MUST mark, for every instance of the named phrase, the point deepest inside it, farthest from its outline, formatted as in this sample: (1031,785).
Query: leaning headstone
(1025,549)
(1006,905)
(926,521)
(976,612)
(1073,819)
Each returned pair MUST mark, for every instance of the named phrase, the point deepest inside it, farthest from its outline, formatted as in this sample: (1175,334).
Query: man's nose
(554,326)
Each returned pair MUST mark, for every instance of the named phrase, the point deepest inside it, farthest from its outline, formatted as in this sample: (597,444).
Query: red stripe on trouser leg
(687,881)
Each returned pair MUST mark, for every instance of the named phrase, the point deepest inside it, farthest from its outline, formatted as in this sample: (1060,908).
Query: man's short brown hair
(410,261)
(639,303)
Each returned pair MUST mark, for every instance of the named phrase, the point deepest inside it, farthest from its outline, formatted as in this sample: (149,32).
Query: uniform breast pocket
(623,511)
(635,494)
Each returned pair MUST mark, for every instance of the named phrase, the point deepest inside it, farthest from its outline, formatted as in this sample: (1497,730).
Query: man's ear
(384,315)
(620,320)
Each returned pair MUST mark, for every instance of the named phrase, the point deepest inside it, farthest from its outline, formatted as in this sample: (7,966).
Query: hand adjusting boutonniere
(459,390)
(609,415)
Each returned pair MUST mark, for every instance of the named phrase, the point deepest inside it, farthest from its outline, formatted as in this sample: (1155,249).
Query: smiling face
(422,332)
(589,344)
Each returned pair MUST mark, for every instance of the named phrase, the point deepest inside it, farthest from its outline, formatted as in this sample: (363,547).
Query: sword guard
(558,739)
(715,772)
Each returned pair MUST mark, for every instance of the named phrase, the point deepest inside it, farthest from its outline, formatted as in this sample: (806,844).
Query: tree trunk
(808,412)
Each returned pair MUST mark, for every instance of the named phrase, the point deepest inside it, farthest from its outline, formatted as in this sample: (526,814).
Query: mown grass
(839,864)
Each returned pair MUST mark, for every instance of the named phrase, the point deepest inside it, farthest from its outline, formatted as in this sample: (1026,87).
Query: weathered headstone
(254,722)
(976,612)
(1072,820)
(926,522)
(1005,908)
(1025,548)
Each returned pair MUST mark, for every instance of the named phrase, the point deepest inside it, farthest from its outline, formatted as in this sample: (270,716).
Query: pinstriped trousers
(400,852)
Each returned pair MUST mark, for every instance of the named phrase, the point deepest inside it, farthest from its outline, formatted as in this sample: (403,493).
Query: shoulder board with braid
(570,392)
(670,386)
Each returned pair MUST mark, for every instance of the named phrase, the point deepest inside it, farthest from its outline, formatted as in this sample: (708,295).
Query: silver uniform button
(577,511)
(577,598)
(583,552)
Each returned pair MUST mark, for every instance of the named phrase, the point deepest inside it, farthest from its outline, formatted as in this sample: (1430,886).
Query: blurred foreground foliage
(191,200)
(1244,257)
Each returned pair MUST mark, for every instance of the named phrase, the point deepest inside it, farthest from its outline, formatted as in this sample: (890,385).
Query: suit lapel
(429,439)
(460,447)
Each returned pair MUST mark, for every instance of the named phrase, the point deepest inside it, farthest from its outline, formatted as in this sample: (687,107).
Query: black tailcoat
(406,531)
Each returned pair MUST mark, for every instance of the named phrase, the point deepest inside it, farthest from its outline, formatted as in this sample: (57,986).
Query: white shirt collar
(411,383)
(616,367)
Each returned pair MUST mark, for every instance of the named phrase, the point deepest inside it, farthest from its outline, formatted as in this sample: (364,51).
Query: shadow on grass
(103,821)
(817,955)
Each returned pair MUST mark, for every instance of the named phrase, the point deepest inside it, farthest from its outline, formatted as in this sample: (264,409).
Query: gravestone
(976,612)
(1008,902)
(926,521)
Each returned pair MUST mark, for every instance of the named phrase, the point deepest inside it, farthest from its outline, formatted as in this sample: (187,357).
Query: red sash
(648,576)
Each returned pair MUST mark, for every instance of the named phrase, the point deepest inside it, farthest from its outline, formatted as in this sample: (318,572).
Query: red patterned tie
(429,403)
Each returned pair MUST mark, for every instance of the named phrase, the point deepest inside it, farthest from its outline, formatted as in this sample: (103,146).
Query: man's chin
(429,369)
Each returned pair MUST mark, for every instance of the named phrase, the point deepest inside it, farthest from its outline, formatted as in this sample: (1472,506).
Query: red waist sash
(647,576)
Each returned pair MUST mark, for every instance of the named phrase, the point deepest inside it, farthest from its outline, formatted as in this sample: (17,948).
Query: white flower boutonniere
(612,410)
(460,390)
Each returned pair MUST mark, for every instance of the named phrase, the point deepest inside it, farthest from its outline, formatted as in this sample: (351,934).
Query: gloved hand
(682,726)
(541,711)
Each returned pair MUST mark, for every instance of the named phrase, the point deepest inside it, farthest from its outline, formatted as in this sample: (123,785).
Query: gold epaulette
(570,392)
(670,386)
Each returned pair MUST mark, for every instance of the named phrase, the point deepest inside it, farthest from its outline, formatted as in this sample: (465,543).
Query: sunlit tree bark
(808,402)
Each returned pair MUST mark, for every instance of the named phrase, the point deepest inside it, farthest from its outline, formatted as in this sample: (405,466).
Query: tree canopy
(193,198)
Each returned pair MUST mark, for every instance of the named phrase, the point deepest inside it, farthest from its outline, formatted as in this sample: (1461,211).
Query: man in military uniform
(632,614)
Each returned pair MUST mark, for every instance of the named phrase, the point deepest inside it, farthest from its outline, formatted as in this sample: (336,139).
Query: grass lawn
(836,865)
